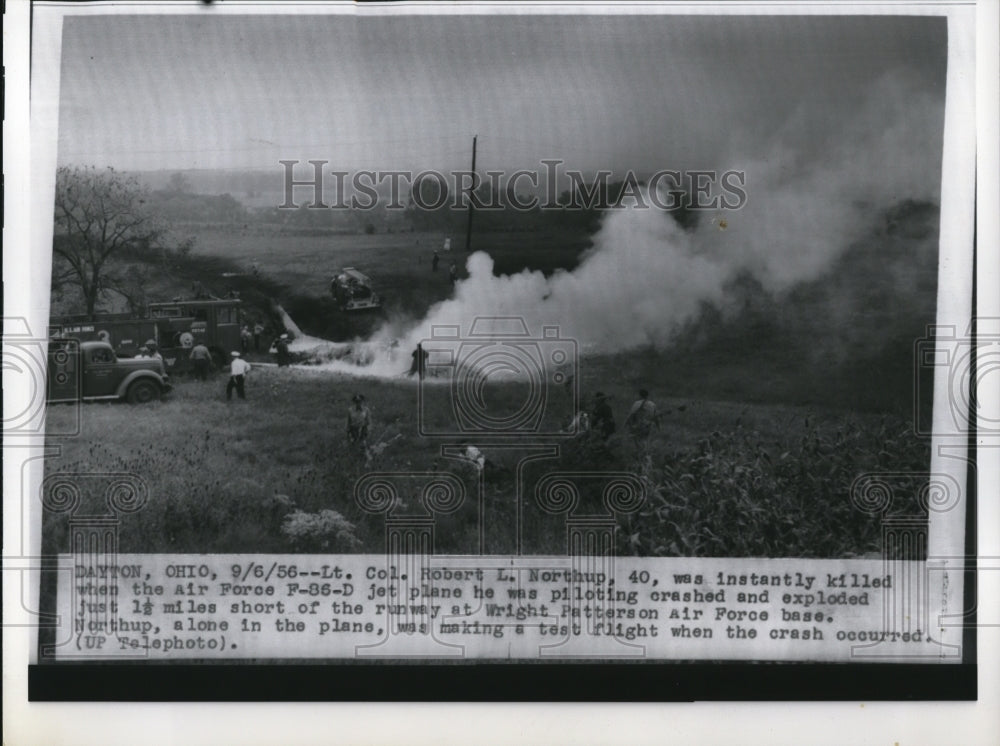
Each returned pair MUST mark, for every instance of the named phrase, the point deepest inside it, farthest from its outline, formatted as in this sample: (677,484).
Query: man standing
(641,419)
(453,273)
(435,261)
(419,363)
(258,329)
(238,369)
(245,339)
(602,419)
(283,355)
(359,420)
(201,359)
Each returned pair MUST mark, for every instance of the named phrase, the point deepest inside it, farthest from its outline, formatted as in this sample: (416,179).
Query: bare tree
(98,214)
(130,283)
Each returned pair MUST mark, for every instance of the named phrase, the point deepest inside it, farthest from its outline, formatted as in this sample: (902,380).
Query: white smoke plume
(645,275)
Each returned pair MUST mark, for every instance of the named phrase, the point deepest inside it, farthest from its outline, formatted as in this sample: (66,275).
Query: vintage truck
(84,371)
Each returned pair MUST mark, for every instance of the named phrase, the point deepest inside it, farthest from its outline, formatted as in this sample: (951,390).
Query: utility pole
(468,228)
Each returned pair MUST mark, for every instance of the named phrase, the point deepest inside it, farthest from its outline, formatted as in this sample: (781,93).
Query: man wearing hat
(602,419)
(151,350)
(282,345)
(238,368)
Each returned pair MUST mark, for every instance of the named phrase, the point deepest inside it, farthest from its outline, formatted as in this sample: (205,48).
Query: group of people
(201,365)
(246,335)
(201,361)
(640,421)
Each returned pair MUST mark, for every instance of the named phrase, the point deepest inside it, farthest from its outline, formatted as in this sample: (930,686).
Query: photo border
(42,176)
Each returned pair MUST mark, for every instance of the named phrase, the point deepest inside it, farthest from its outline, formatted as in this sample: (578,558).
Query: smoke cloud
(815,191)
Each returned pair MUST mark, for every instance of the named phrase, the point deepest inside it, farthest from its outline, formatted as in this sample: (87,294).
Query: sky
(617,92)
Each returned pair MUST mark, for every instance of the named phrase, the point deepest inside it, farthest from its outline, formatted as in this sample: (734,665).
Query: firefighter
(602,419)
(245,339)
(435,261)
(359,420)
(201,359)
(453,273)
(238,370)
(258,329)
(419,364)
(284,358)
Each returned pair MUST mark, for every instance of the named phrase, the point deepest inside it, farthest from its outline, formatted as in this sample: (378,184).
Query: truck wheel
(142,392)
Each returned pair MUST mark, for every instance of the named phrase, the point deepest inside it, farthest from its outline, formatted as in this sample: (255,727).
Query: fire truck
(175,327)
(87,371)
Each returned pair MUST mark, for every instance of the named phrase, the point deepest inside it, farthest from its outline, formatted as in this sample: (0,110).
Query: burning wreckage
(353,291)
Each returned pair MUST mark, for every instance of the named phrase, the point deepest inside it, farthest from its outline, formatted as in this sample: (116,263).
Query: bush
(326,531)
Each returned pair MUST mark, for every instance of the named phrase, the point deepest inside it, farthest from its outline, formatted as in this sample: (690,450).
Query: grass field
(257,475)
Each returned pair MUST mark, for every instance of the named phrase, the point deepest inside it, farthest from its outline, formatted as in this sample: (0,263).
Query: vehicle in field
(87,371)
(175,326)
(353,291)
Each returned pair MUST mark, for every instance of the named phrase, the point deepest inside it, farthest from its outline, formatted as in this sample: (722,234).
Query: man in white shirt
(238,368)
(641,418)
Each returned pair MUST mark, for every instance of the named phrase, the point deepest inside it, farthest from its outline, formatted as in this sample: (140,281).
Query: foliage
(326,531)
(179,206)
(98,215)
(178,183)
(735,494)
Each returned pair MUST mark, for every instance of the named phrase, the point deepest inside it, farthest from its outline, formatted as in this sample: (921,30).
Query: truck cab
(85,371)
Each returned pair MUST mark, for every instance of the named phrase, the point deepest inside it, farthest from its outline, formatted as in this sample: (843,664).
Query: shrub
(326,531)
